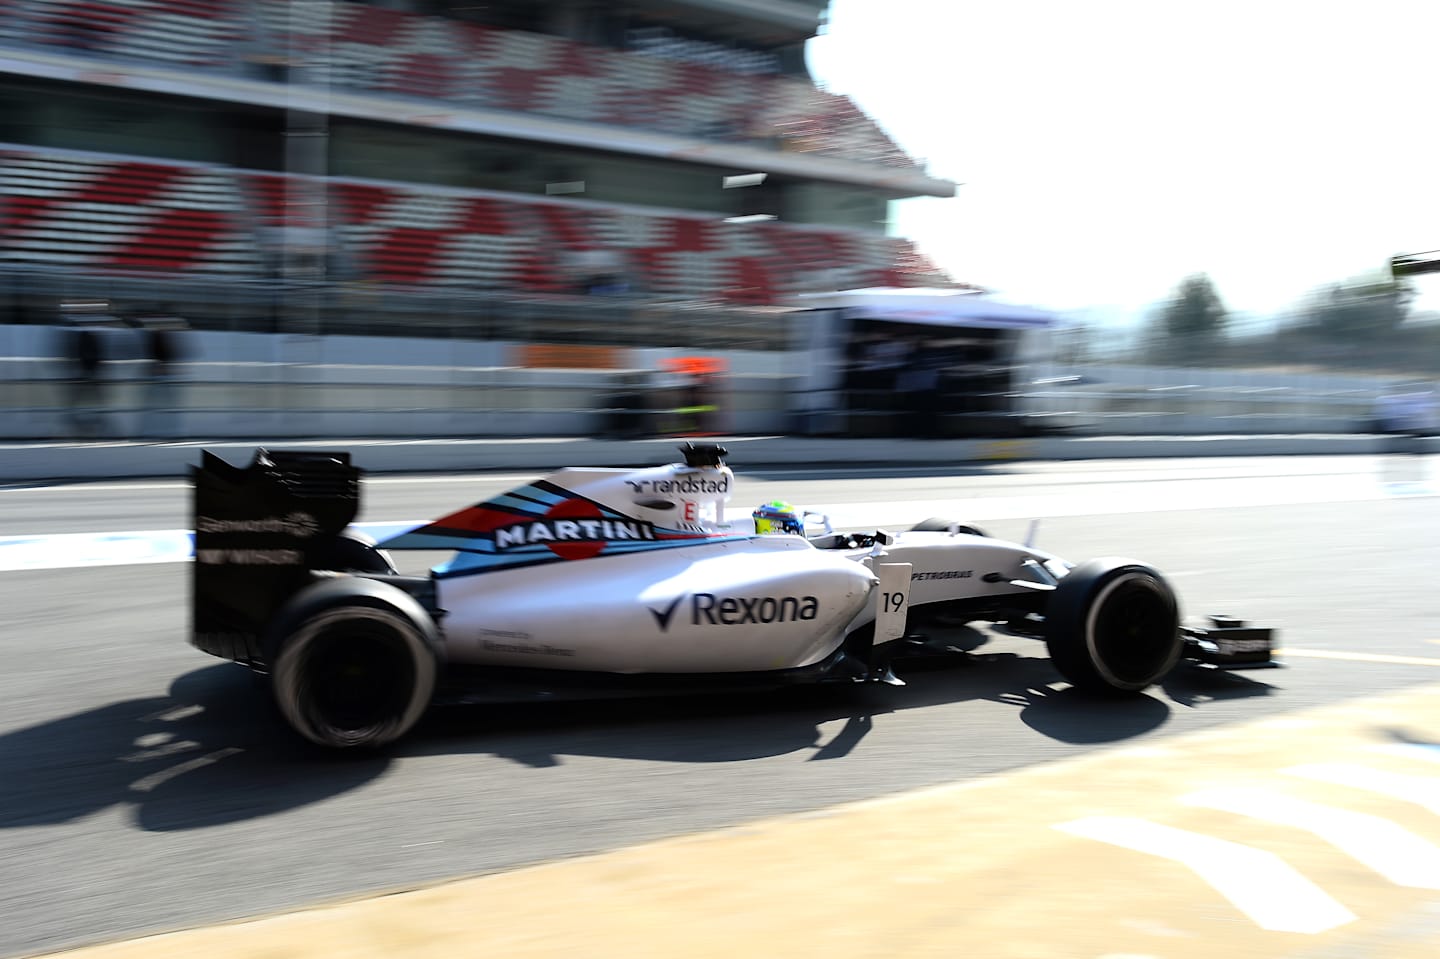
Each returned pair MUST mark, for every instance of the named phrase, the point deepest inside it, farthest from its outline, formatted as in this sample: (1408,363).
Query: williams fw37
(595,583)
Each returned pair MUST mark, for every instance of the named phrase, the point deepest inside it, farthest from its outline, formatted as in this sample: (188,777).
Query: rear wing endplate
(257,528)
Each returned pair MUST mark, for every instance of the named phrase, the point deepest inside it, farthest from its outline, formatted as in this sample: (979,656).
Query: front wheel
(1113,626)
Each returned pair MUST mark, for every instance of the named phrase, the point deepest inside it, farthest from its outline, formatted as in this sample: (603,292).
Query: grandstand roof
(764,22)
(933,307)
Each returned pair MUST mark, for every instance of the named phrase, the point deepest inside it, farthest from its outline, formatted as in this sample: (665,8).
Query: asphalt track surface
(144,787)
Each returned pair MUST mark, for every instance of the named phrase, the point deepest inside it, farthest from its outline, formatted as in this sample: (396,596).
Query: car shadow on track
(214,751)
(754,726)
(1400,737)
(1193,686)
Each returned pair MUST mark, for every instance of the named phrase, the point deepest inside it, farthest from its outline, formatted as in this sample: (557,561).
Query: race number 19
(890,604)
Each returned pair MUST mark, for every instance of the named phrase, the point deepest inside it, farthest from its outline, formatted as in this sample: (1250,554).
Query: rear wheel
(351,551)
(938,524)
(353,662)
(1113,626)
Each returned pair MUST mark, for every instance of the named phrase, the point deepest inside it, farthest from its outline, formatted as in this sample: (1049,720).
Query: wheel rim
(1132,631)
(359,677)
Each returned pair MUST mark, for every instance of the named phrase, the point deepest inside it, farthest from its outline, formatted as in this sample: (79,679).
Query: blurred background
(262,218)
(324,220)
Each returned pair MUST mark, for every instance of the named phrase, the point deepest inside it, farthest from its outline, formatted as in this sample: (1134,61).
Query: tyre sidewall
(326,605)
(352,551)
(939,524)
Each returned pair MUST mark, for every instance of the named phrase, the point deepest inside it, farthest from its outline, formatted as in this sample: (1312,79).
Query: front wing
(1229,643)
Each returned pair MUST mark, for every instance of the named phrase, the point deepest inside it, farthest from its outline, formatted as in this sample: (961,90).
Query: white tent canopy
(935,307)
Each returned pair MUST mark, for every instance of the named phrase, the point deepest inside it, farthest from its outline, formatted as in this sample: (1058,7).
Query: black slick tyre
(938,524)
(351,551)
(1113,625)
(353,662)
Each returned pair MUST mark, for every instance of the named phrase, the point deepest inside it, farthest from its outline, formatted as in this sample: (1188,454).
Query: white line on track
(1426,752)
(73,550)
(1260,884)
(1358,657)
(1421,790)
(1391,850)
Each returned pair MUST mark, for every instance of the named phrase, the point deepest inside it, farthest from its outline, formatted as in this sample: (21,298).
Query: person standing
(86,357)
(918,385)
(160,334)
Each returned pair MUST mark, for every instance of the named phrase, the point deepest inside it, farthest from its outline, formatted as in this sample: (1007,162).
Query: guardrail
(1174,410)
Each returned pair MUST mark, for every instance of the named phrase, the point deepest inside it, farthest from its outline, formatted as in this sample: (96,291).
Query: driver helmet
(778,517)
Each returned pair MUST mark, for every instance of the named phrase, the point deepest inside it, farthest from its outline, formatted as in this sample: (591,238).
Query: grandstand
(313,164)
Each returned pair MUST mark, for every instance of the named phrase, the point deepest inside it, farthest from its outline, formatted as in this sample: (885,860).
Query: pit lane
(146,787)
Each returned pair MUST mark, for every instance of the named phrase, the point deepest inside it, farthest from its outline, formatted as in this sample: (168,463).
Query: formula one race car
(609,582)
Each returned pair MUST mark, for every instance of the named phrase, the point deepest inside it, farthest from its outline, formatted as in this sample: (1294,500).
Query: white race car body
(589,577)
(639,571)
(731,606)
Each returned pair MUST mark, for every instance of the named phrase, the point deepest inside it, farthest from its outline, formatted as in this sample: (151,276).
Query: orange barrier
(568,357)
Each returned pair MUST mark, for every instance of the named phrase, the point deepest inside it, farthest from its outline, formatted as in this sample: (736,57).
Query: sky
(1106,149)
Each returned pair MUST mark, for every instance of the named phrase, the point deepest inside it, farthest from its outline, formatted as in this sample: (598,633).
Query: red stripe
(186,236)
(476,519)
(137,183)
(407,254)
(359,202)
(20,211)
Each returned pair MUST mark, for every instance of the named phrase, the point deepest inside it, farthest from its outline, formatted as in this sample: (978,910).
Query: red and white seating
(389,51)
(98,213)
(417,236)
(180,32)
(362,47)
(72,210)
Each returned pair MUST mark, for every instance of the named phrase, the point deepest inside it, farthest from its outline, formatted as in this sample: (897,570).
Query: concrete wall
(248,385)
(1140,400)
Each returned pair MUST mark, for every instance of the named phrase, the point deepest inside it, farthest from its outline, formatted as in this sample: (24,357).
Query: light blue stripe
(526,500)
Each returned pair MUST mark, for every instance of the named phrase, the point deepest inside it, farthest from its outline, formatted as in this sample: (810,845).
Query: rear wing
(258,529)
